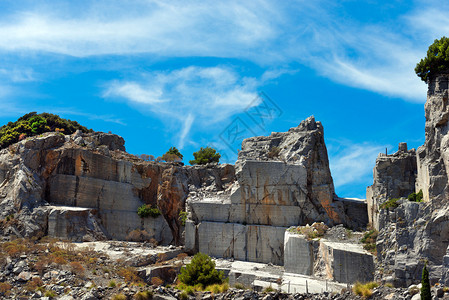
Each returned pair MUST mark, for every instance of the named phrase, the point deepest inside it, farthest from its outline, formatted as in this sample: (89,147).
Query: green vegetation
(205,156)
(314,231)
(425,288)
(217,288)
(183,217)
(201,271)
(144,295)
(269,290)
(369,240)
(112,284)
(392,203)
(364,289)
(239,286)
(416,197)
(172,154)
(34,124)
(147,210)
(437,60)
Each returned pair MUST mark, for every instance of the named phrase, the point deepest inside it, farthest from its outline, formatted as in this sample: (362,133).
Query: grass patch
(269,289)
(144,295)
(316,230)
(119,297)
(369,241)
(364,289)
(239,286)
(391,203)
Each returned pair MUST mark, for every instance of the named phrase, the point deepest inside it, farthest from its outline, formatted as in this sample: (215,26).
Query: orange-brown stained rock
(153,171)
(51,162)
(171,199)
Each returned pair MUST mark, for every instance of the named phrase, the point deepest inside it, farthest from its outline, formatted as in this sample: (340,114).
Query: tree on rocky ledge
(202,271)
(425,289)
(437,60)
(172,154)
(205,156)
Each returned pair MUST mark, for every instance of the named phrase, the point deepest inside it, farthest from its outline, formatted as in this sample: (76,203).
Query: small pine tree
(201,271)
(425,289)
(175,151)
(205,156)
(437,60)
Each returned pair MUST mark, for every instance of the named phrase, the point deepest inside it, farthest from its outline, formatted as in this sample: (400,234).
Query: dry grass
(364,289)
(156,281)
(144,295)
(33,284)
(5,288)
(77,268)
(129,274)
(119,297)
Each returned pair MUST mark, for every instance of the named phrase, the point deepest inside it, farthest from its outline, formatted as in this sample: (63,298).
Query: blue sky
(189,73)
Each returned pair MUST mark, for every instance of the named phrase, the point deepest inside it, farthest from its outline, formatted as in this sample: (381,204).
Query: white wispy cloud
(375,55)
(204,95)
(185,130)
(177,28)
(352,163)
(17,75)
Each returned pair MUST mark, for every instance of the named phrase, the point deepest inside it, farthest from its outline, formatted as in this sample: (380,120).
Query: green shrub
(425,288)
(205,156)
(183,217)
(201,270)
(148,211)
(392,203)
(172,154)
(33,124)
(369,240)
(437,60)
(416,197)
(112,284)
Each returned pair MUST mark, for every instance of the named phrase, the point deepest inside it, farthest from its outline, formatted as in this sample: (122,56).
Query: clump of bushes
(172,154)
(33,124)
(416,197)
(205,156)
(364,289)
(129,274)
(369,240)
(391,203)
(316,230)
(201,271)
(147,210)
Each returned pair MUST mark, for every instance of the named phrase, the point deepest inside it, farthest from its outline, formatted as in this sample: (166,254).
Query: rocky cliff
(394,177)
(282,180)
(417,232)
(86,187)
